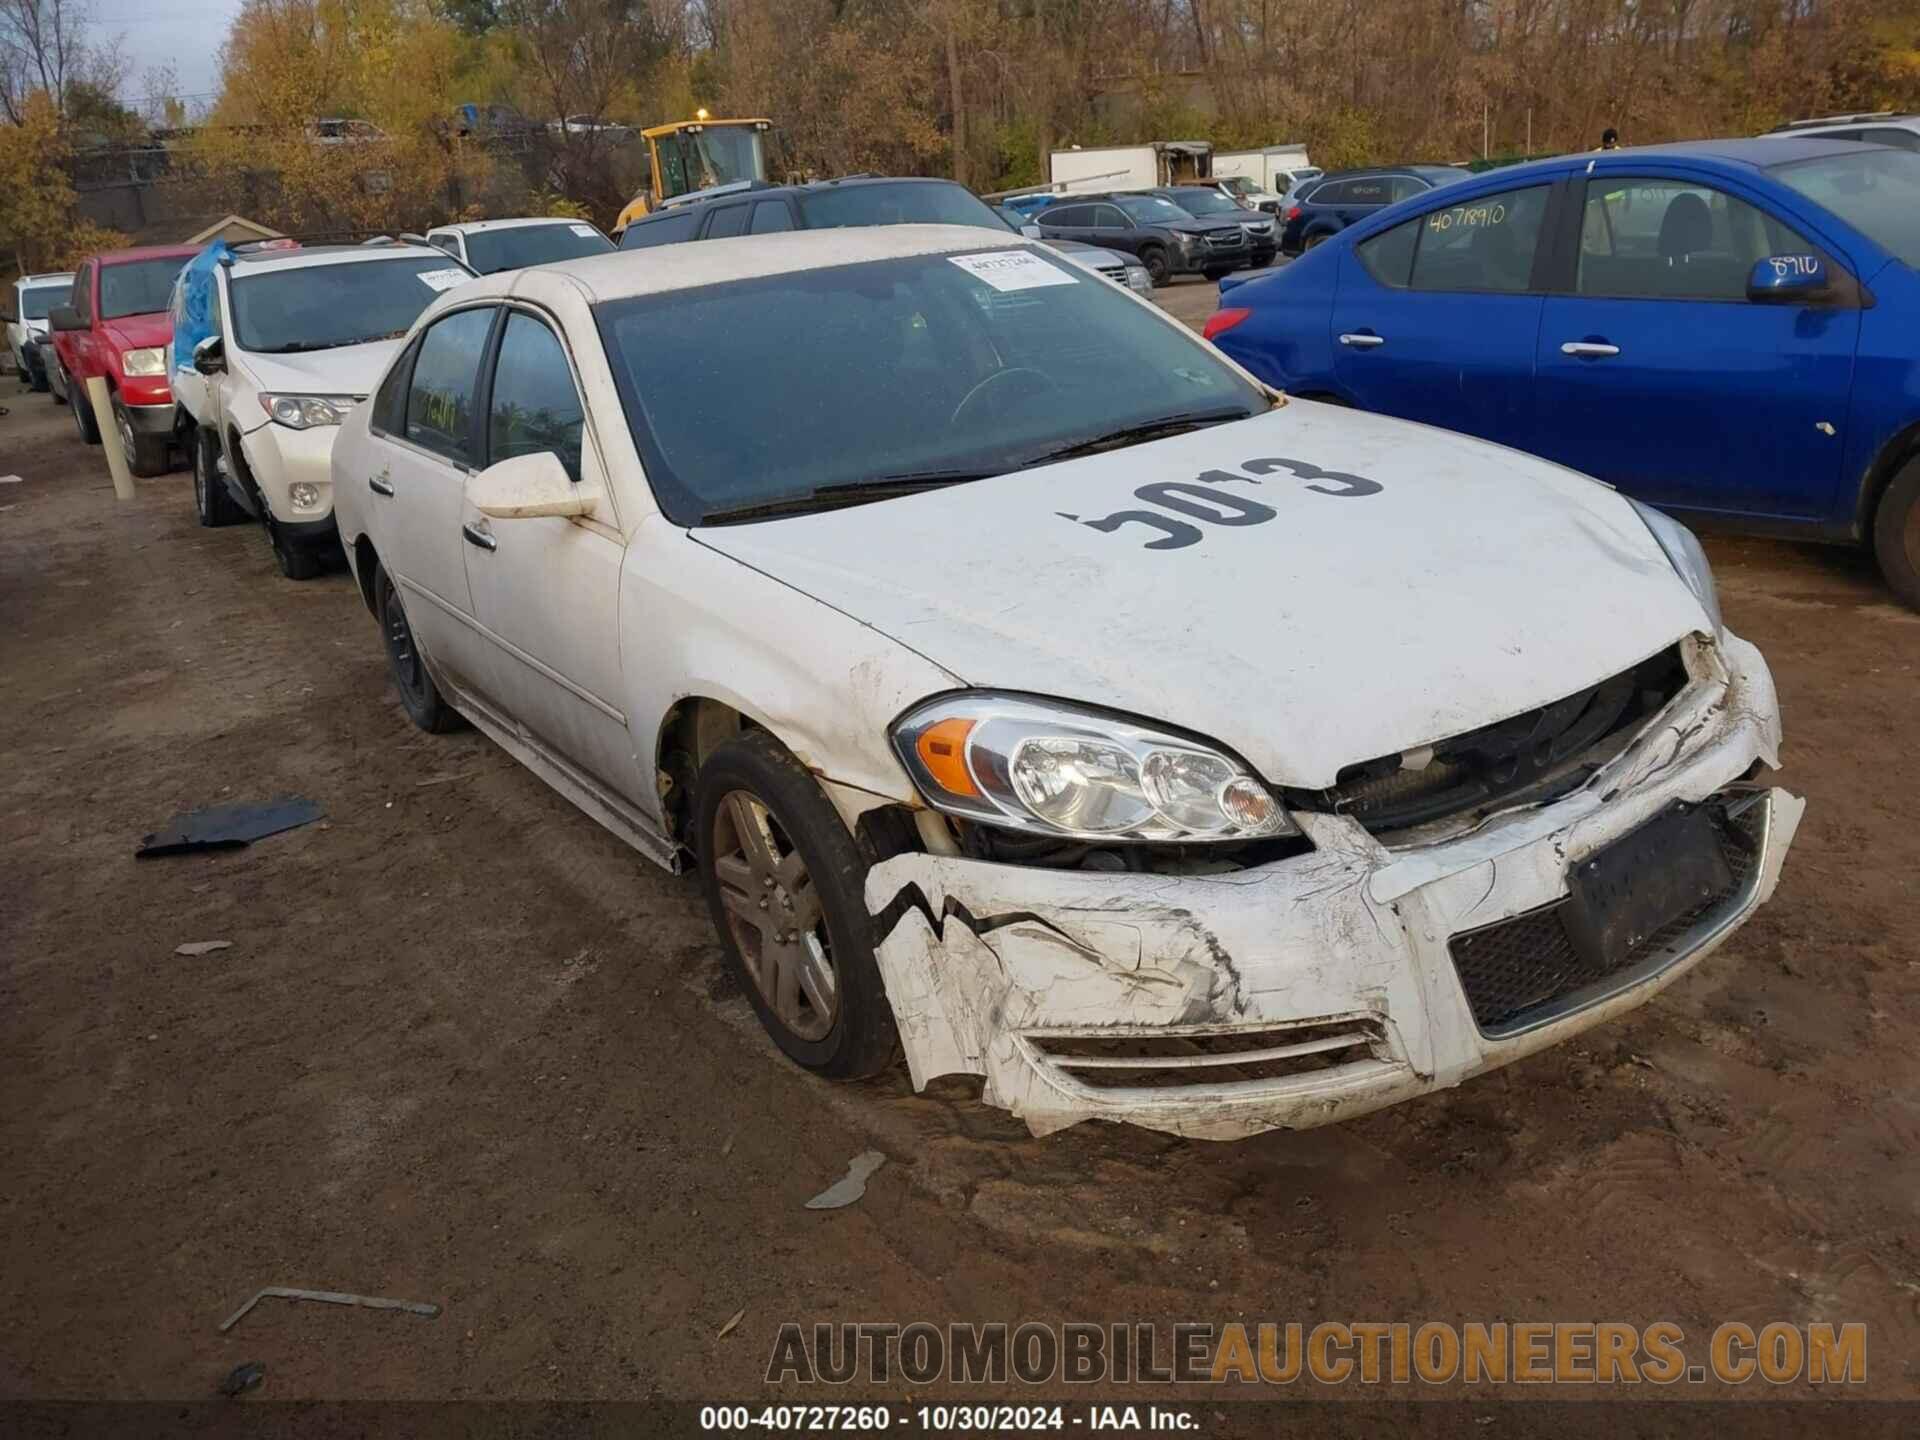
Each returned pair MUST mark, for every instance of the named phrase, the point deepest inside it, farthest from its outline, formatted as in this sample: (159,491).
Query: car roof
(44,275)
(308,255)
(1758,152)
(681,205)
(145,252)
(475,227)
(627,273)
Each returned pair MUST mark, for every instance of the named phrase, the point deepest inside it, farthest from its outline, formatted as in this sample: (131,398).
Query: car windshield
(37,301)
(917,369)
(320,307)
(712,155)
(491,251)
(138,287)
(916,202)
(1239,184)
(1207,202)
(1150,209)
(1874,190)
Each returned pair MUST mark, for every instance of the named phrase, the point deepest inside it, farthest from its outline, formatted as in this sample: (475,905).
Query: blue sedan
(1724,329)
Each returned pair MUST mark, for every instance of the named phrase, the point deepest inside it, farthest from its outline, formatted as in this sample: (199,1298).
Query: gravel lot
(467,1048)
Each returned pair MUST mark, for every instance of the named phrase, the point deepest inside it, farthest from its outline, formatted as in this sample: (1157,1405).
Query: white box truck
(1261,178)
(1130,167)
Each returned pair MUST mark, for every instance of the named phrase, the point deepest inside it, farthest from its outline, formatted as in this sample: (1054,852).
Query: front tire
(147,455)
(297,562)
(786,889)
(1896,535)
(1158,270)
(419,696)
(211,501)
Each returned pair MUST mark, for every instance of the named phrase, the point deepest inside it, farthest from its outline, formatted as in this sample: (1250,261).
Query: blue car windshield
(1876,191)
(921,367)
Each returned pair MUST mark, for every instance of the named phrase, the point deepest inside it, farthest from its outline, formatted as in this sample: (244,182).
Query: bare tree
(41,48)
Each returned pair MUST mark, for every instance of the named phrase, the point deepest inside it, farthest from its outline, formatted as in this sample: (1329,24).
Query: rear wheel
(1313,240)
(1896,534)
(785,886)
(210,498)
(419,696)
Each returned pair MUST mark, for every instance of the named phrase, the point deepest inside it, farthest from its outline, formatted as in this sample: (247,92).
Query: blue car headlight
(1689,561)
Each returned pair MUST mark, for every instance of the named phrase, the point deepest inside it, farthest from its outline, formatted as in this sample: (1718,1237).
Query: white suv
(491,246)
(299,336)
(1881,127)
(34,297)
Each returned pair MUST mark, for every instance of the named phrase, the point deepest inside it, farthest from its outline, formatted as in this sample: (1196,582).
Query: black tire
(82,407)
(1154,257)
(1216,275)
(39,381)
(60,390)
(147,455)
(859,1038)
(1896,534)
(419,696)
(211,500)
(297,561)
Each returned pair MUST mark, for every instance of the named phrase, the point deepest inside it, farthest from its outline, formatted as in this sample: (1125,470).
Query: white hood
(347,370)
(1474,584)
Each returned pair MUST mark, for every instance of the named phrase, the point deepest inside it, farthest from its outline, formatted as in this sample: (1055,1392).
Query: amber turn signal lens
(943,751)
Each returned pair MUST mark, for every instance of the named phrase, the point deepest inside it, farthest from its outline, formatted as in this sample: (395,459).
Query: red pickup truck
(115,325)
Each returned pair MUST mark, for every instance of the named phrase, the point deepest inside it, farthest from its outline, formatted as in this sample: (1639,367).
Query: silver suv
(1881,127)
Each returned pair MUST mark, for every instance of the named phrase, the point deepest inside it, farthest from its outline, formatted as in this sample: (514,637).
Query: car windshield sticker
(1009,270)
(585,232)
(1197,501)
(442,279)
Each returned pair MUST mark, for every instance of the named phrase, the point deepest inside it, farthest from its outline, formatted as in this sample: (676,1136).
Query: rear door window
(771,216)
(727,220)
(440,390)
(1486,243)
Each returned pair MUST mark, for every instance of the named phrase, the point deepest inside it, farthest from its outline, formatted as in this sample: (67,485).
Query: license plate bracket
(1624,894)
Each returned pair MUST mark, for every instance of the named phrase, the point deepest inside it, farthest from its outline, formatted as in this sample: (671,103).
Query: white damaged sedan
(1036,693)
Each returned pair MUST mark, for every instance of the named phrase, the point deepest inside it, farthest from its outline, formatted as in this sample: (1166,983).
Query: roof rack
(1853,119)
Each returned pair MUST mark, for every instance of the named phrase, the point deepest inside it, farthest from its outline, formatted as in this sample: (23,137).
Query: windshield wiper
(1137,434)
(301,346)
(848,492)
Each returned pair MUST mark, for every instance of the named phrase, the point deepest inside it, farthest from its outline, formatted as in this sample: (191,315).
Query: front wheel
(786,889)
(1896,535)
(211,502)
(297,562)
(146,454)
(1158,270)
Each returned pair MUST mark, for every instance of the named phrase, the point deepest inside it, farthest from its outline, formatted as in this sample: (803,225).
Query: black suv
(1206,201)
(1167,239)
(756,208)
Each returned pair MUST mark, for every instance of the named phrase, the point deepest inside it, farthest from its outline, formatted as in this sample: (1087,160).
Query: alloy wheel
(773,911)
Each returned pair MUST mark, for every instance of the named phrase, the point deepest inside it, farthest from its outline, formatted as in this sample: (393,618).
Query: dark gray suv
(1167,240)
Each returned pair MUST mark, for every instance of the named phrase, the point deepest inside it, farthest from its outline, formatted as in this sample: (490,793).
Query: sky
(186,34)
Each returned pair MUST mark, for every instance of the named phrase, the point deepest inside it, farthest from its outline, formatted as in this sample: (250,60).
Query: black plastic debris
(243,1377)
(227,827)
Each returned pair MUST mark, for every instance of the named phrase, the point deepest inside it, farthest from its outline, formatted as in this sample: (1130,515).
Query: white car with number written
(300,336)
(1035,691)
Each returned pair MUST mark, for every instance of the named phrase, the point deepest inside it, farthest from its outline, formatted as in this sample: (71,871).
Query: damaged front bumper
(1320,987)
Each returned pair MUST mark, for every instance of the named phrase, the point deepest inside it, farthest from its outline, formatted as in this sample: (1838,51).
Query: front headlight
(143,362)
(1689,561)
(303,412)
(1077,774)
(1139,279)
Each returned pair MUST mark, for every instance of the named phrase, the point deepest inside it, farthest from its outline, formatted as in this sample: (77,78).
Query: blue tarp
(194,322)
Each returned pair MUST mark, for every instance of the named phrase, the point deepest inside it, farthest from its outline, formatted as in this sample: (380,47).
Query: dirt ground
(467,1048)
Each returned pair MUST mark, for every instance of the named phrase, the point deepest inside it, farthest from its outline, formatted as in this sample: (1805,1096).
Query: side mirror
(1788,278)
(65,317)
(528,486)
(210,356)
(1031,231)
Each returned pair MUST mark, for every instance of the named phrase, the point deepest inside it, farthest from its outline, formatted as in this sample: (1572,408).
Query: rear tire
(211,501)
(1896,534)
(419,696)
(1311,241)
(773,852)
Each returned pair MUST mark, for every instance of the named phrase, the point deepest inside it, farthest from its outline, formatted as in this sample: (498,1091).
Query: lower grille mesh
(1159,1061)
(1518,971)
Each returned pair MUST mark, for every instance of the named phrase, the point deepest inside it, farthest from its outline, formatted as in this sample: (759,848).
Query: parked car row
(1721,329)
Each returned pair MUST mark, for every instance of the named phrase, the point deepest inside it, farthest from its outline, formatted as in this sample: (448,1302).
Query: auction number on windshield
(1200,500)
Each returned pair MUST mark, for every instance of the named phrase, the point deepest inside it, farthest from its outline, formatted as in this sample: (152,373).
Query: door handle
(1363,341)
(1589,347)
(379,485)
(476,536)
